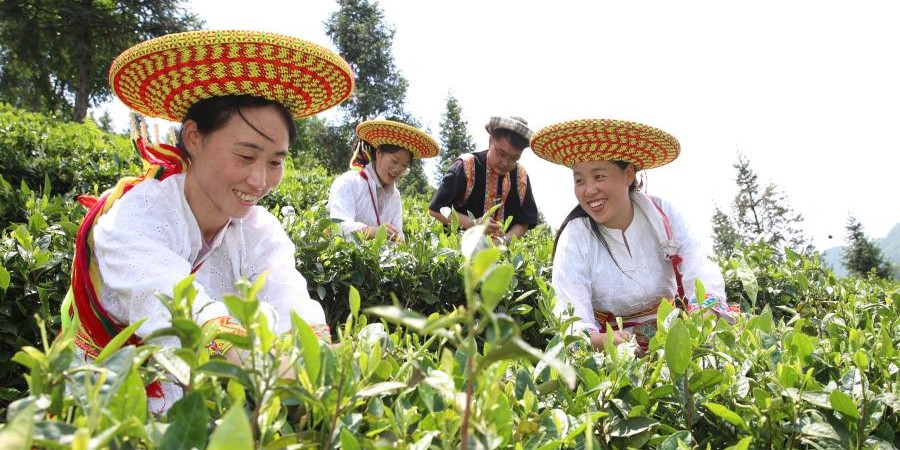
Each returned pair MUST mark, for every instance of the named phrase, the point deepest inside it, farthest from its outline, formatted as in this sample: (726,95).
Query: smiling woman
(365,197)
(194,212)
(620,252)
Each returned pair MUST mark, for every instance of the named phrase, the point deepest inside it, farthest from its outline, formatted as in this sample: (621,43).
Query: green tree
(455,136)
(55,54)
(362,37)
(862,257)
(725,237)
(758,215)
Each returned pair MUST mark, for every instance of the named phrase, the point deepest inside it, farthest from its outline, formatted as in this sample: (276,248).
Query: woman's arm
(342,202)
(571,278)
(697,264)
(141,246)
(270,250)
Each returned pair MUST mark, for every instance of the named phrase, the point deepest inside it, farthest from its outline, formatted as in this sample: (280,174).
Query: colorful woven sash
(94,327)
(495,193)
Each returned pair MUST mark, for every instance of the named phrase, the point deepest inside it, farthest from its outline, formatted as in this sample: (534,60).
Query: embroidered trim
(224,324)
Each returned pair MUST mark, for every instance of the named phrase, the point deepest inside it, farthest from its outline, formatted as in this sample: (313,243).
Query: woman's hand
(598,339)
(392,232)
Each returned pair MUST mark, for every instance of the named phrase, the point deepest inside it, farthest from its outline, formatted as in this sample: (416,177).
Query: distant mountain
(889,245)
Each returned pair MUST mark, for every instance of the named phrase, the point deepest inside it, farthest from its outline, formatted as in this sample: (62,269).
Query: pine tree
(758,216)
(455,136)
(725,237)
(362,37)
(862,257)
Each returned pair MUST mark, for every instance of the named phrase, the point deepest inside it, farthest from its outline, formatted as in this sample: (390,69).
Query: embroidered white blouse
(585,277)
(149,240)
(350,201)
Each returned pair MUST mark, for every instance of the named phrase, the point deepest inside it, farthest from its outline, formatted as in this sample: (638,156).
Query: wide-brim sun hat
(380,132)
(574,141)
(165,76)
(515,124)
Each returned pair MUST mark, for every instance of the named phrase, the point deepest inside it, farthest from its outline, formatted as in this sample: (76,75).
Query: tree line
(54,57)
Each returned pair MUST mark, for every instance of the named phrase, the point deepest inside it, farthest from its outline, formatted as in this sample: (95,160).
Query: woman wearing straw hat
(237,94)
(620,252)
(366,197)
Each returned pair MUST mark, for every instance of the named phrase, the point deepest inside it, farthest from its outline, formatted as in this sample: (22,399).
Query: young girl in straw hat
(366,197)
(237,94)
(620,252)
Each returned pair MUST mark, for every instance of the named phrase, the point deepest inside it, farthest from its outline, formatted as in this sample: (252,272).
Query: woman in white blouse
(366,197)
(620,252)
(194,212)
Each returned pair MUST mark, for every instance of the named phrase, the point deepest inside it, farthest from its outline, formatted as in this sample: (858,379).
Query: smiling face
(234,166)
(390,166)
(502,155)
(602,189)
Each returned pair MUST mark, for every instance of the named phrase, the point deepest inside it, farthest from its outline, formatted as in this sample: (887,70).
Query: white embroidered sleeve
(572,280)
(137,257)
(395,212)
(342,200)
(270,250)
(696,262)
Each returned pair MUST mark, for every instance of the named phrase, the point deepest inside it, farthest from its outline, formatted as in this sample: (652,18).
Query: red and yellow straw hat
(574,141)
(381,132)
(163,77)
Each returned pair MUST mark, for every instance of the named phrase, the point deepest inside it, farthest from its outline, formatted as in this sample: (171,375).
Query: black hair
(213,113)
(579,213)
(517,140)
(391,148)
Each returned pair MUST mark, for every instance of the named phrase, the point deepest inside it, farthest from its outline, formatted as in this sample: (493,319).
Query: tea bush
(440,342)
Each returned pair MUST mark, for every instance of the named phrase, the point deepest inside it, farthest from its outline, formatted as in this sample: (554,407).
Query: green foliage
(70,158)
(362,37)
(445,341)
(455,136)
(757,216)
(862,257)
(55,54)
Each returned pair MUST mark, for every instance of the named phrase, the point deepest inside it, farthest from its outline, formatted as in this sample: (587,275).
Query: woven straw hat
(163,77)
(515,124)
(575,141)
(381,132)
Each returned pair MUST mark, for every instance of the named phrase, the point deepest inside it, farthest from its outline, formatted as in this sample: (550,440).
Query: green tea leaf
(748,281)
(188,419)
(705,379)
(131,400)
(18,433)
(233,432)
(743,444)
(117,342)
(727,414)
(348,441)
(843,404)
(311,350)
(4,278)
(677,441)
(354,302)
(496,284)
(380,388)
(665,308)
(224,369)
(678,348)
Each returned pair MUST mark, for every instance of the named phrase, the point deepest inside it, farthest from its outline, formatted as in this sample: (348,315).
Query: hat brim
(381,132)
(164,77)
(575,141)
(513,124)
